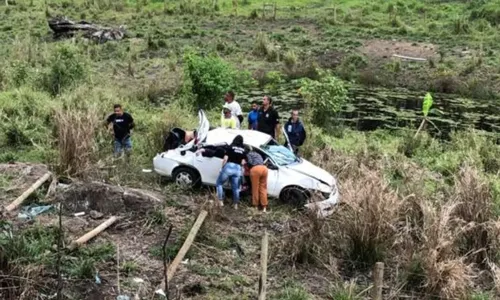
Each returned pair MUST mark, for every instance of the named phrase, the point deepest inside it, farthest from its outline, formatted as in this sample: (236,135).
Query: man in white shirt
(234,107)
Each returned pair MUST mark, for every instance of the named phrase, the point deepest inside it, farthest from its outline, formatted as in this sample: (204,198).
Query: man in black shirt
(269,119)
(122,124)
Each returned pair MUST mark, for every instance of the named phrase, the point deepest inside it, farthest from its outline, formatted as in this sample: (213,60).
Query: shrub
(66,68)
(290,59)
(274,79)
(461,25)
(262,44)
(324,97)
(209,77)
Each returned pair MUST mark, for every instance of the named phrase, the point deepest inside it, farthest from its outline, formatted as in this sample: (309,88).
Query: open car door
(203,127)
(288,145)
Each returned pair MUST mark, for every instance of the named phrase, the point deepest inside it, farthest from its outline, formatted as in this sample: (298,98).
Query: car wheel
(295,196)
(186,178)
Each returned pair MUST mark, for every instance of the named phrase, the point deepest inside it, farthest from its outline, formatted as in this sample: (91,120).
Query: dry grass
(76,130)
(444,244)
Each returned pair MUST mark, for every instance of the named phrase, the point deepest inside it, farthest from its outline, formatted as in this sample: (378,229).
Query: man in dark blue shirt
(253,116)
(295,131)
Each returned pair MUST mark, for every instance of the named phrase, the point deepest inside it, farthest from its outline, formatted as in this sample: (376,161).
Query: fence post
(378,281)
(263,263)
(274,11)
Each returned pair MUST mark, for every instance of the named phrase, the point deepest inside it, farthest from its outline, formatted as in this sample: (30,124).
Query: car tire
(185,177)
(294,195)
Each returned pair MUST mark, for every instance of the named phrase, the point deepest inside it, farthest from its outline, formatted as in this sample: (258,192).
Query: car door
(283,130)
(209,167)
(272,174)
(203,127)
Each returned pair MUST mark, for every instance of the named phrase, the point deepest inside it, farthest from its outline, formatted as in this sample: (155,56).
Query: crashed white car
(291,179)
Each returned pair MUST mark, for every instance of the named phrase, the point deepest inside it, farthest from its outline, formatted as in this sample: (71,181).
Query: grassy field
(427,208)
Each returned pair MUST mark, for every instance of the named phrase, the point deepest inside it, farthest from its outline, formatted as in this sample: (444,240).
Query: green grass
(146,74)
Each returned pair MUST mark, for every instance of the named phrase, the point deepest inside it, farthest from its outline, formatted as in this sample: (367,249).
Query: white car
(290,178)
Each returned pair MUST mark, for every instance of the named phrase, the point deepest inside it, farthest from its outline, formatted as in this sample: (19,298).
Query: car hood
(308,169)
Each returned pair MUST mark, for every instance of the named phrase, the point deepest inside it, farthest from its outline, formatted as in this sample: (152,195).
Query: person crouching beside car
(258,178)
(234,158)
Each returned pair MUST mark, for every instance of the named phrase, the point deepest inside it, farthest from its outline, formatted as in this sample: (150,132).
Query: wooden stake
(378,281)
(118,268)
(28,192)
(263,264)
(184,249)
(89,235)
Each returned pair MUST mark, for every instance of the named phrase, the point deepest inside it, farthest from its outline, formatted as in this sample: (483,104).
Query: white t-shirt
(235,111)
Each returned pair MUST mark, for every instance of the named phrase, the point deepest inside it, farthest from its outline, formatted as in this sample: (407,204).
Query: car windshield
(280,154)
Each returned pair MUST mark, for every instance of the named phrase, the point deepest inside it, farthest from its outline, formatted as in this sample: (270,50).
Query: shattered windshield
(280,154)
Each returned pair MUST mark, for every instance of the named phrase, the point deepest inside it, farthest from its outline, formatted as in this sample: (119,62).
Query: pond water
(374,108)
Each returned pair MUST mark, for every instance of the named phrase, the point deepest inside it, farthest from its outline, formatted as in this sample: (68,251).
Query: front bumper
(325,208)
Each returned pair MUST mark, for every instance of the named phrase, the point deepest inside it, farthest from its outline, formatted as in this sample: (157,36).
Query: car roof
(250,137)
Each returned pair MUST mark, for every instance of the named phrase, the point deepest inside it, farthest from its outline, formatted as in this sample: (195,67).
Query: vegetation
(426,204)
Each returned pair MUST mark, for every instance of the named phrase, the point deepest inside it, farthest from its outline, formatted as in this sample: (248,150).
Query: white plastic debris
(122,297)
(160,292)
(138,280)
(147,170)
(79,214)
(185,262)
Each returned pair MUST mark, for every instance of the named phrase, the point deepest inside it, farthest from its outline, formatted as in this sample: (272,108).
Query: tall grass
(76,131)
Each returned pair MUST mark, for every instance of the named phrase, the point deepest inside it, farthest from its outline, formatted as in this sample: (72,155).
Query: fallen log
(409,57)
(28,192)
(91,234)
(184,249)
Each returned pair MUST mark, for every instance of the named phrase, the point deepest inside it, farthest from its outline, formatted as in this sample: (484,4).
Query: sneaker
(236,207)
(221,203)
(264,210)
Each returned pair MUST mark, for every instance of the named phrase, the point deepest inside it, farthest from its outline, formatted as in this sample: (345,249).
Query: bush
(274,79)
(290,59)
(324,97)
(210,77)
(67,68)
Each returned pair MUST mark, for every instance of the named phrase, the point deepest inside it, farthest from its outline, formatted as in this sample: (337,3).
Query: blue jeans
(119,145)
(230,171)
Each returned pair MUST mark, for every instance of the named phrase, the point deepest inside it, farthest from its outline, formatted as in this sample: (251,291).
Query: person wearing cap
(227,119)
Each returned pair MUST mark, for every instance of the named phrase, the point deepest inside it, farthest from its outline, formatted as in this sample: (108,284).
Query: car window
(280,154)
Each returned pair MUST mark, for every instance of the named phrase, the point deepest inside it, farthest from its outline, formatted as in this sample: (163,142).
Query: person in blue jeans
(234,159)
(253,116)
(122,125)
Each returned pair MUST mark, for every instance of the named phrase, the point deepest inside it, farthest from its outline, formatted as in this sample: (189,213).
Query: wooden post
(378,281)
(28,192)
(184,249)
(264,10)
(89,235)
(263,264)
(274,11)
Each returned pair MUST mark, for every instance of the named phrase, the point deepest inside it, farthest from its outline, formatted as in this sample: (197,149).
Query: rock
(96,215)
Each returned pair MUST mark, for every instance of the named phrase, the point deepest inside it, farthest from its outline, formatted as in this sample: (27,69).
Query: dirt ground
(377,48)
(223,262)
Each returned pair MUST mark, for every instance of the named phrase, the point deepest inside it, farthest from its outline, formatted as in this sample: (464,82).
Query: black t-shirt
(268,120)
(121,124)
(235,154)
